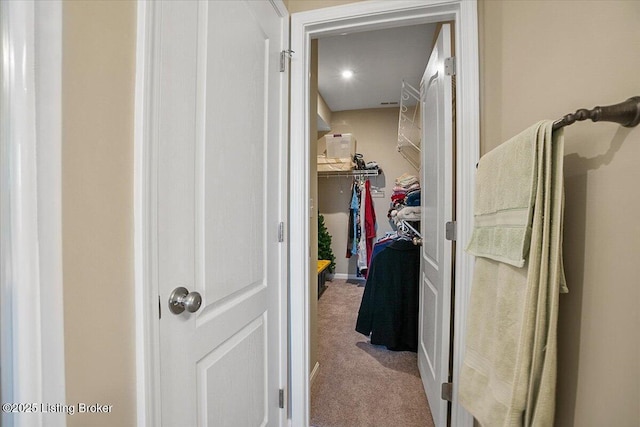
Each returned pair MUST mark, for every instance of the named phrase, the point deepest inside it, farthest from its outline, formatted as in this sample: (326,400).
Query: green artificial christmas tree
(324,244)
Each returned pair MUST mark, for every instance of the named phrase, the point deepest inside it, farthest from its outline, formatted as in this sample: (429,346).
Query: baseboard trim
(314,374)
(343,276)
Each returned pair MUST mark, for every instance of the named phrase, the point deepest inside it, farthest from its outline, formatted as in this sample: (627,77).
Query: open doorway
(307,26)
(369,103)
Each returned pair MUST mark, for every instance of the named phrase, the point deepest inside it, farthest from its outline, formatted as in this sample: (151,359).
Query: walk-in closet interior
(368,207)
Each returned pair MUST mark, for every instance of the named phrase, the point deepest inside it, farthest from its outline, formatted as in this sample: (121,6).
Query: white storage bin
(340,145)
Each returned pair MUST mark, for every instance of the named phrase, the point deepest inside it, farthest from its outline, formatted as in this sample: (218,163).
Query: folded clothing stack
(406,193)
(413,198)
(405,180)
(409,213)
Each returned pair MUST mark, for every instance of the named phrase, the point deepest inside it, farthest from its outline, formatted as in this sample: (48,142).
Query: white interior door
(437,210)
(221,177)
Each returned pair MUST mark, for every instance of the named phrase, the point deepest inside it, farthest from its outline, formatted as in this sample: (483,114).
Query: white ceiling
(380,60)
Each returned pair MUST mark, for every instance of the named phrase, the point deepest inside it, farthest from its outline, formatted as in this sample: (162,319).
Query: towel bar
(626,113)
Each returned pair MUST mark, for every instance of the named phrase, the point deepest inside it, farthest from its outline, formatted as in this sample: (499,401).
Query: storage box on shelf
(340,145)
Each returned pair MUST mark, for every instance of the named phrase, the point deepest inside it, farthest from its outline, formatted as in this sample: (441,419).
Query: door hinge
(450,66)
(447,392)
(284,55)
(281,398)
(450,231)
(281,232)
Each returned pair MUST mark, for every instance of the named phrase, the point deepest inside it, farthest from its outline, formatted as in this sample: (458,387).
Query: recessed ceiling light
(347,74)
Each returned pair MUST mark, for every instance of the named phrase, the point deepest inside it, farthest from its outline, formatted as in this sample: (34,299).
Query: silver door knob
(181,299)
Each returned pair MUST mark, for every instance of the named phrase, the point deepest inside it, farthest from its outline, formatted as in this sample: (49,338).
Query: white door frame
(145,192)
(371,15)
(31,300)
(146,283)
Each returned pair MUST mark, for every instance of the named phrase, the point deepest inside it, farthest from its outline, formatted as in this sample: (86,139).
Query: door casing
(32,339)
(366,16)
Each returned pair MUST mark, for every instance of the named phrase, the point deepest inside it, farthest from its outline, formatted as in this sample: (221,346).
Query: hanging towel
(503,210)
(508,376)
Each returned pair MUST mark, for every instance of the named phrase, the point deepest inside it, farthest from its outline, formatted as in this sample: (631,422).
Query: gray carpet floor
(359,384)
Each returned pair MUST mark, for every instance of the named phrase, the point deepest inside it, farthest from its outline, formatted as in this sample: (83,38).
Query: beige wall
(97,209)
(542,60)
(302,5)
(324,113)
(376,132)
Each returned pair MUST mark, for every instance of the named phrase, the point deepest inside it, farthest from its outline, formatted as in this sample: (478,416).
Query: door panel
(428,338)
(432,166)
(437,209)
(227,396)
(219,193)
(233,80)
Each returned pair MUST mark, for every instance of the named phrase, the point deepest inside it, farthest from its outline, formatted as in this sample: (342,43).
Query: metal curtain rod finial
(626,113)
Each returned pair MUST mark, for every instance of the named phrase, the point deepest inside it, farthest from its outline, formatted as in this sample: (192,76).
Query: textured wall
(97,208)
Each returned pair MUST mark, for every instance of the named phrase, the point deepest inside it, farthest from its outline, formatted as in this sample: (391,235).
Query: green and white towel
(509,371)
(505,194)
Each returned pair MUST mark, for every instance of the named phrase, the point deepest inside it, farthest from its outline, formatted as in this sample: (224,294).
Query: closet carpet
(359,384)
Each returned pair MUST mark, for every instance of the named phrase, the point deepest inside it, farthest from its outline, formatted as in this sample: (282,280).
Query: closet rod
(626,113)
(350,173)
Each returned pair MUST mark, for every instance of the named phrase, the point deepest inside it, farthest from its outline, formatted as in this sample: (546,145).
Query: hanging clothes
(362,225)
(379,246)
(354,208)
(389,308)
(362,241)
(370,225)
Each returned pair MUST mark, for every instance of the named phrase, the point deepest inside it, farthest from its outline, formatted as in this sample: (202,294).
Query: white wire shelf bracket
(409,123)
